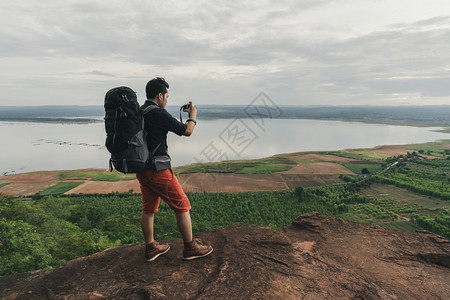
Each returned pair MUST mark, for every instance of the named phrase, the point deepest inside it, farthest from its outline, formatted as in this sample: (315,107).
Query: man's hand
(192,111)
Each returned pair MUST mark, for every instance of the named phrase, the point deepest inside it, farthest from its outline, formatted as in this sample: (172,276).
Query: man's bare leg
(147,227)
(185,226)
(192,249)
(152,248)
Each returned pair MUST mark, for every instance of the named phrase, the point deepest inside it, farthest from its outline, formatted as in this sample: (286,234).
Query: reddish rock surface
(317,257)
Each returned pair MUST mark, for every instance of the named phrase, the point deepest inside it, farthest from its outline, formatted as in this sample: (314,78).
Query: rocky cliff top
(317,257)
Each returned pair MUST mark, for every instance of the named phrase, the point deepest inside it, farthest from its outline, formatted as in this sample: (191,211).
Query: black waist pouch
(160,162)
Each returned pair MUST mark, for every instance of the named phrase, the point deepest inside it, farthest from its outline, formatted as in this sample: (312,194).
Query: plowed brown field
(104,187)
(27,184)
(301,169)
(328,168)
(220,182)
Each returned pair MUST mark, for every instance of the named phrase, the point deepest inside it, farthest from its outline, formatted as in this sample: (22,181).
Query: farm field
(27,183)
(284,171)
(68,214)
(403,196)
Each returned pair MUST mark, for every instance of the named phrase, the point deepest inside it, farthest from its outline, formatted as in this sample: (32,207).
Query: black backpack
(126,138)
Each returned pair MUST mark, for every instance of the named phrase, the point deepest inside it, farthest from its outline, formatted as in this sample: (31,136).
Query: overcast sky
(304,52)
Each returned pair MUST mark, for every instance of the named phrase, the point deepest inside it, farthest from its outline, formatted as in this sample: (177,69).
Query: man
(163,184)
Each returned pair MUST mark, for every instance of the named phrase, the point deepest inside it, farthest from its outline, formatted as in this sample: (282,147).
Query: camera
(186,107)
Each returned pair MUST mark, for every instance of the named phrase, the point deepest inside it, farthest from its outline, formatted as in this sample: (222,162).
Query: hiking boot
(155,249)
(195,249)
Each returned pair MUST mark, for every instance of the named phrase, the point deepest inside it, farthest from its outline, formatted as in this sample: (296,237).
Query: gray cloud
(294,50)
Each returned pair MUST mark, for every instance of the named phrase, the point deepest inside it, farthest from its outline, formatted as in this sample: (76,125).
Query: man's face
(166,97)
(163,99)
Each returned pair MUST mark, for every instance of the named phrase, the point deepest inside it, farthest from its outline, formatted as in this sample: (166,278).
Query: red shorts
(162,184)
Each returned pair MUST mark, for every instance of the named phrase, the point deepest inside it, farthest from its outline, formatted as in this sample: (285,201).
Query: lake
(42,146)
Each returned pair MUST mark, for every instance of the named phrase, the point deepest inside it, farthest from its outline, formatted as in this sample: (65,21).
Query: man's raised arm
(192,121)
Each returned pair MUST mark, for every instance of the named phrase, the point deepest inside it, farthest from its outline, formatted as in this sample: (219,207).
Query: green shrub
(59,188)
(358,168)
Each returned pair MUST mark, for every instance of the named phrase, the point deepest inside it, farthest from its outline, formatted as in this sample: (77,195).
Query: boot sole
(197,256)
(156,256)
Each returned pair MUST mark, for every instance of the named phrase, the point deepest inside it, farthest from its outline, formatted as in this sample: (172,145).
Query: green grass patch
(96,175)
(266,169)
(113,176)
(276,160)
(358,168)
(79,174)
(361,154)
(234,166)
(59,188)
(407,226)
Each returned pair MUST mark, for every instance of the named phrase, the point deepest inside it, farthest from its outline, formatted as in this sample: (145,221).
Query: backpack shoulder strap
(149,109)
(156,148)
(146,111)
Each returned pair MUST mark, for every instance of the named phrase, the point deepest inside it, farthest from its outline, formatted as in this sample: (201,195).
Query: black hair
(155,86)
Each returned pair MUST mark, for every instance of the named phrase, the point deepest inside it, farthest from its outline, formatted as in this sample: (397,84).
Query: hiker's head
(155,87)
